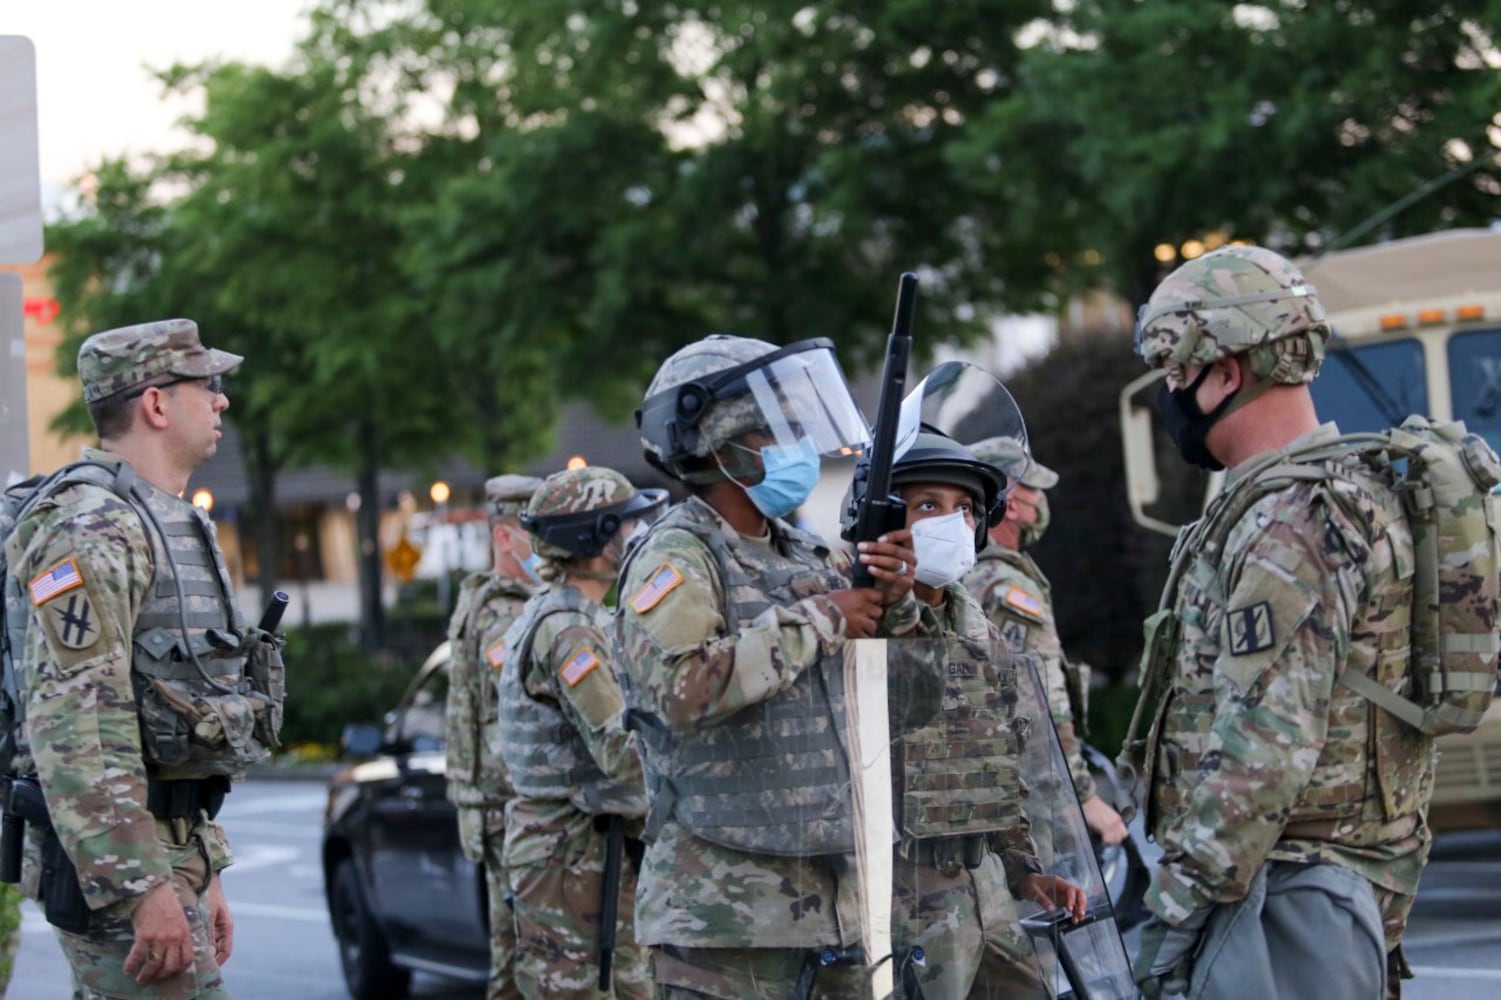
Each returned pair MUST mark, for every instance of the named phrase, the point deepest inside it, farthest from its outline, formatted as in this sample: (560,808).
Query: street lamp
(204,500)
(440,493)
(577,462)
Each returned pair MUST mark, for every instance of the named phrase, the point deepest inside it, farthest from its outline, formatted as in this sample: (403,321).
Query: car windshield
(1475,381)
(1342,395)
(420,727)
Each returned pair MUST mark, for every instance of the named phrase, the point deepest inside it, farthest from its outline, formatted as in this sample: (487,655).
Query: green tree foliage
(1134,124)
(645,171)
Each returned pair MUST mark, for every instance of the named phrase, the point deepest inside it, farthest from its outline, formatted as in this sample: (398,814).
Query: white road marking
(284,802)
(1447,972)
(303,913)
(261,856)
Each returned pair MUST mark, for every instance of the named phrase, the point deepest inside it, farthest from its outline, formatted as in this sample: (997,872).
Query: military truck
(1417,326)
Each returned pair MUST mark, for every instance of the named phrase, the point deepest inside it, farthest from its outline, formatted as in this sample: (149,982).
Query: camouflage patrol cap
(727,418)
(1236,300)
(117,360)
(507,496)
(1008,453)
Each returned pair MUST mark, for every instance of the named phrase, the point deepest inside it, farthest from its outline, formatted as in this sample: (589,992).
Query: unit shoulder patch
(73,621)
(1014,635)
(664,581)
(1251,629)
(55,582)
(578,666)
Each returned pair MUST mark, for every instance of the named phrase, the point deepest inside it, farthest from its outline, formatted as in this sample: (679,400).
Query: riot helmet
(715,391)
(576,513)
(1236,300)
(936,458)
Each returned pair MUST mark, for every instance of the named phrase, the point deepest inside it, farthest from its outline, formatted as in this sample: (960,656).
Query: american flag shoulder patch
(58,580)
(1024,602)
(578,666)
(663,582)
(496,655)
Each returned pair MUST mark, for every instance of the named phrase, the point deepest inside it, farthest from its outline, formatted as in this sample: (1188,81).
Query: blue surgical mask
(791,473)
(531,566)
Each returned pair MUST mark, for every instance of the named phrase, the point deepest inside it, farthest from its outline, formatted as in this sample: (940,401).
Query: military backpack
(15,503)
(1445,480)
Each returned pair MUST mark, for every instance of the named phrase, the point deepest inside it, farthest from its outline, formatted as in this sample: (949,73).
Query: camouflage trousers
(967,924)
(97,958)
(747,974)
(483,832)
(557,906)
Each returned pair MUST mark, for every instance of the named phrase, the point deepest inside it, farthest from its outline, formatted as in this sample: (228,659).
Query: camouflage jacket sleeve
(81,707)
(576,670)
(689,664)
(466,708)
(1291,574)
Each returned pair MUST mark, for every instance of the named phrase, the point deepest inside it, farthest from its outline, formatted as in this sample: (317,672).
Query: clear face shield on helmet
(793,401)
(967,403)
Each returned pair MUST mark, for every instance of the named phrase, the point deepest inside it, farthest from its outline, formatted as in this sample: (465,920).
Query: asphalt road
(284,948)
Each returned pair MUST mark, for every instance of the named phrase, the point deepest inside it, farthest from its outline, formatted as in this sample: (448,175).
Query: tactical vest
(203,710)
(774,778)
(209,692)
(543,751)
(961,772)
(476,774)
(1374,774)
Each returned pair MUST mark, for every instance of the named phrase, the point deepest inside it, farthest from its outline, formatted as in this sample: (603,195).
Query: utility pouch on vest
(62,896)
(268,677)
(184,798)
(1138,755)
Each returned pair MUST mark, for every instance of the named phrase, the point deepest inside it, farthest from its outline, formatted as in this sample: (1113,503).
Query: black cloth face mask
(1188,425)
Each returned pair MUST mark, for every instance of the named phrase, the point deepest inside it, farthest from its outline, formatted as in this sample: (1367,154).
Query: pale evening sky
(95,93)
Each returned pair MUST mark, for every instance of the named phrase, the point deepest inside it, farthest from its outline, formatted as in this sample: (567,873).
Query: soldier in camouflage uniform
(561,737)
(116,567)
(1015,594)
(1291,810)
(965,855)
(731,626)
(477,782)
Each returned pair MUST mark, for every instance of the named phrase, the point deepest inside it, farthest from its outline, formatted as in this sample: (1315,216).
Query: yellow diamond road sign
(20,175)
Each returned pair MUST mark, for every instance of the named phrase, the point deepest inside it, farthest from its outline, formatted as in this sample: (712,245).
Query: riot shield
(974,864)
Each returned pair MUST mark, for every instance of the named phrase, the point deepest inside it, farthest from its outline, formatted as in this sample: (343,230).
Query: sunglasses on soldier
(213,383)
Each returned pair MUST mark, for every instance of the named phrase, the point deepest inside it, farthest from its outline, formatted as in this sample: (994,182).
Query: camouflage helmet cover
(575,513)
(725,418)
(1235,300)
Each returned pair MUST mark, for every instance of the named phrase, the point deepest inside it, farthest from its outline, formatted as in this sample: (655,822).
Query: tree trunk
(367,531)
(262,470)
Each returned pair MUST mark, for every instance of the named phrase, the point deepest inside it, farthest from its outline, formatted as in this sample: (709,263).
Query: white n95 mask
(945,549)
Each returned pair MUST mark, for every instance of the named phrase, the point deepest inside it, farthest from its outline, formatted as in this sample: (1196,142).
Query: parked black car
(401,895)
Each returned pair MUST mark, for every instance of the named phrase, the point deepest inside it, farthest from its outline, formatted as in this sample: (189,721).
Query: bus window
(1342,397)
(1475,380)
